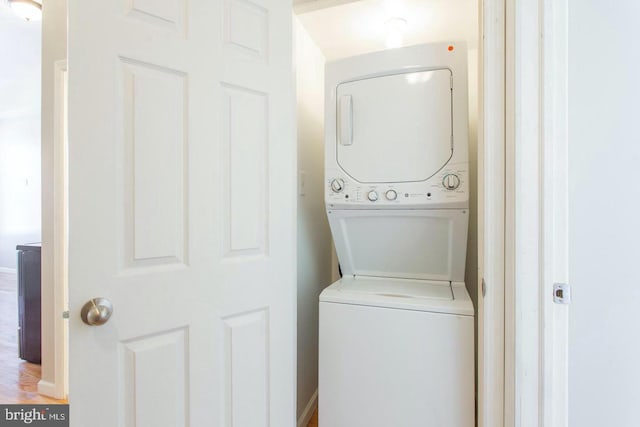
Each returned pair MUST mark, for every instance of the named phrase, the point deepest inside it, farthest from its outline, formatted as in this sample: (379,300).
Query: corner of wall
(314,237)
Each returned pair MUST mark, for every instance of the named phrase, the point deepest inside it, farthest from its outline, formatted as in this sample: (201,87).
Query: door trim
(555,203)
(536,257)
(491,214)
(59,387)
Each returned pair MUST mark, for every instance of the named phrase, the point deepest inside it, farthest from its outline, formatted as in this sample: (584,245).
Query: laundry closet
(387,147)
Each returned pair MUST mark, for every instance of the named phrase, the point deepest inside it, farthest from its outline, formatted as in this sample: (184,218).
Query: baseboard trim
(304,419)
(7,270)
(48,389)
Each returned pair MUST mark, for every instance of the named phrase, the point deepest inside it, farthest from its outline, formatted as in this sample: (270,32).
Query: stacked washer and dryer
(396,331)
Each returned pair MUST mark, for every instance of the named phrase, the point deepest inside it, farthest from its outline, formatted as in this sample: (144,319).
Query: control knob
(391,195)
(451,181)
(372,195)
(337,185)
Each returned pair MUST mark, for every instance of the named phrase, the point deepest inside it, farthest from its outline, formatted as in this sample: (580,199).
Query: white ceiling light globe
(29,10)
(396,27)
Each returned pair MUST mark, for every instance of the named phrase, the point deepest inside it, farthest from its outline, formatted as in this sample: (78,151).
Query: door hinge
(484,288)
(561,293)
(65,314)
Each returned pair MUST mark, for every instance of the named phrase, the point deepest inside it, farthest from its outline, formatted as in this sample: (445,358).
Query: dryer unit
(396,332)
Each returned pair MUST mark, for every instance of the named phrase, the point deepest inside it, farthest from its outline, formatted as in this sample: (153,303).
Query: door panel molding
(247,344)
(155,156)
(158,366)
(246,171)
(166,14)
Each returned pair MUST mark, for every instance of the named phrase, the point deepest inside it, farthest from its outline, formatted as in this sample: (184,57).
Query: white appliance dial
(451,181)
(337,185)
(372,195)
(391,195)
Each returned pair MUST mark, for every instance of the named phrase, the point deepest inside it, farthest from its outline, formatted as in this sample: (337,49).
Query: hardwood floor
(18,379)
(314,419)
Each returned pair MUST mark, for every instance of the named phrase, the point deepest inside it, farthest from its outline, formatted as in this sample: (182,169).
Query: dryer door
(395,128)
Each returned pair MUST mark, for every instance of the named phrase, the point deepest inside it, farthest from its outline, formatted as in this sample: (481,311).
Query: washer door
(410,244)
(395,128)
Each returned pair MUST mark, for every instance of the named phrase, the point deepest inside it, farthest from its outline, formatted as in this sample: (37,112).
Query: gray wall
(314,237)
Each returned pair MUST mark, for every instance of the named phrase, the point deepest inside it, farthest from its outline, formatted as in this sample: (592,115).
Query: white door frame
(554,239)
(491,214)
(522,333)
(536,210)
(58,388)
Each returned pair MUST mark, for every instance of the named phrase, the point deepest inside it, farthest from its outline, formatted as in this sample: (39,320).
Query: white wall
(314,236)
(604,212)
(19,184)
(19,134)
(54,41)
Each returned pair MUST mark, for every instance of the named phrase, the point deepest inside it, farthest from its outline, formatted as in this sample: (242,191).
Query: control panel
(449,187)
(396,130)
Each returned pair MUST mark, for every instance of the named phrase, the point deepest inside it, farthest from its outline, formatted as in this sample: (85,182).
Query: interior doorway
(303,176)
(329,30)
(23,356)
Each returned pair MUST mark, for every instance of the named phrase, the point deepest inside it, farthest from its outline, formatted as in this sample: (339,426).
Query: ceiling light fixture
(30,10)
(396,27)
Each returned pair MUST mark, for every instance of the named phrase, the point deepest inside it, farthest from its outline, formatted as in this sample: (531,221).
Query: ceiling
(359,26)
(340,28)
(20,50)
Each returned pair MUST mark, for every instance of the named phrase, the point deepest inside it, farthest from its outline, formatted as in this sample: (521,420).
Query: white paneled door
(182,214)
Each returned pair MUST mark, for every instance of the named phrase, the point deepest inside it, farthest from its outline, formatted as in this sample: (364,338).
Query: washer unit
(396,332)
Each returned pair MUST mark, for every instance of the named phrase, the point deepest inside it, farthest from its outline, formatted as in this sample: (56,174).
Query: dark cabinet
(29,307)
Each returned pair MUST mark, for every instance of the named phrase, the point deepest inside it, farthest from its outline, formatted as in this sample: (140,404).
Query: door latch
(561,293)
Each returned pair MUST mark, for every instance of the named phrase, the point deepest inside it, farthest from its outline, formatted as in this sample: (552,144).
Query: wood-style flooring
(18,379)
(314,419)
